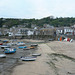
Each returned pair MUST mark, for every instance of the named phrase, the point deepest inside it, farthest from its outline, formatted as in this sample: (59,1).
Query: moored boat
(5,46)
(20,43)
(34,45)
(31,47)
(2,55)
(22,47)
(26,49)
(36,54)
(1,43)
(10,50)
(28,58)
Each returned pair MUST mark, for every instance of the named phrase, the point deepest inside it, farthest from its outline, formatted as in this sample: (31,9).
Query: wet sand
(58,58)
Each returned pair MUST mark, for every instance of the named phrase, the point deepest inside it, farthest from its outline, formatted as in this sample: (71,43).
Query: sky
(36,8)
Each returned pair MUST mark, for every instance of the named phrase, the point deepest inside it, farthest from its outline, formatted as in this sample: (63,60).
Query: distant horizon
(33,18)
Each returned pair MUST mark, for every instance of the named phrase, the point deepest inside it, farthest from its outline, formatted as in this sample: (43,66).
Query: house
(10,34)
(48,26)
(68,31)
(30,32)
(59,31)
(47,31)
(4,31)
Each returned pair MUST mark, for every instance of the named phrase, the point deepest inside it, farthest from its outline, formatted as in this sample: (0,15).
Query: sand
(58,58)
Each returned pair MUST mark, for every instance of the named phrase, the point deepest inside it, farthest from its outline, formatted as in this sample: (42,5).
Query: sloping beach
(58,58)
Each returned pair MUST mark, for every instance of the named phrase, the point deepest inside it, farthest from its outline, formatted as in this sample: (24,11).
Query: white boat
(2,55)
(36,54)
(28,58)
(20,43)
(5,46)
(34,44)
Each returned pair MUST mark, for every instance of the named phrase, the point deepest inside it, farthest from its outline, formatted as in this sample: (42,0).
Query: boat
(34,45)
(31,47)
(1,43)
(20,43)
(36,54)
(5,46)
(2,55)
(21,47)
(11,44)
(10,50)
(5,41)
(26,49)
(28,58)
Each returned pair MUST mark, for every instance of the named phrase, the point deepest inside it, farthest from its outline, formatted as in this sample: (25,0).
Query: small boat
(5,41)
(21,47)
(2,55)
(26,49)
(20,43)
(36,54)
(11,44)
(28,58)
(1,43)
(31,47)
(10,50)
(5,46)
(34,45)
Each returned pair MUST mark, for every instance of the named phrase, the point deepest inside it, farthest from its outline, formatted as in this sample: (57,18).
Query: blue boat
(5,41)
(21,47)
(10,50)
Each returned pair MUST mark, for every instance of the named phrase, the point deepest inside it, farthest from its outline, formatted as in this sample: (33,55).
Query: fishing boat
(28,58)
(10,50)
(2,55)
(21,47)
(36,54)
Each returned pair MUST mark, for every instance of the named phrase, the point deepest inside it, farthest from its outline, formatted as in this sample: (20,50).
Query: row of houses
(48,30)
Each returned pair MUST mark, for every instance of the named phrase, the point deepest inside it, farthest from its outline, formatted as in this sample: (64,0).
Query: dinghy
(2,55)
(21,47)
(26,49)
(20,43)
(36,54)
(31,47)
(5,46)
(34,44)
(10,50)
(28,58)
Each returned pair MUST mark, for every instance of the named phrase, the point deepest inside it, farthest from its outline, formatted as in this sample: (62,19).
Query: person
(71,40)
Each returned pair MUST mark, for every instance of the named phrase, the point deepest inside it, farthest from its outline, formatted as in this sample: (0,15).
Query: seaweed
(64,56)
(53,67)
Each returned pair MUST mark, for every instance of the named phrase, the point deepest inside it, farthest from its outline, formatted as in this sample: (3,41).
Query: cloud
(36,8)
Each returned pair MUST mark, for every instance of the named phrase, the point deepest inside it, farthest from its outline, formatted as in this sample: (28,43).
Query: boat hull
(28,58)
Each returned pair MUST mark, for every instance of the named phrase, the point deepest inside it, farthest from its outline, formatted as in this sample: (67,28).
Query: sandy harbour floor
(58,58)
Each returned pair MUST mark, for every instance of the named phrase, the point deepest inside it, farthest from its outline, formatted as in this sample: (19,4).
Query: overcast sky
(36,8)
